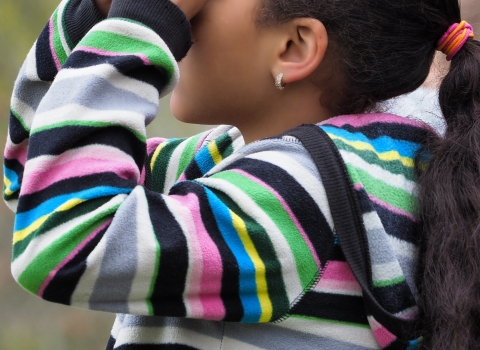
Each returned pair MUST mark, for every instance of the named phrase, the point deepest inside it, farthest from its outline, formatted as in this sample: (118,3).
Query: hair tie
(454,38)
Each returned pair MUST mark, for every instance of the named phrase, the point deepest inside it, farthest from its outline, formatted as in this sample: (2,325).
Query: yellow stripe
(214,152)
(156,153)
(260,277)
(7,184)
(385,156)
(22,234)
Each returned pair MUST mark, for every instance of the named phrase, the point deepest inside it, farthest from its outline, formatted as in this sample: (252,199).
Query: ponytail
(449,257)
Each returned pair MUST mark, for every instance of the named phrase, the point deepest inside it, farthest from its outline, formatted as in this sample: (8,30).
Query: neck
(289,108)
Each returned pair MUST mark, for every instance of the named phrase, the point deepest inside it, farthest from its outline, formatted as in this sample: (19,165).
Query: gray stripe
(381,251)
(119,265)
(269,336)
(211,329)
(95,93)
(29,91)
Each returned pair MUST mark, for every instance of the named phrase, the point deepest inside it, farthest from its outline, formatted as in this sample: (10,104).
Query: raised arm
(222,244)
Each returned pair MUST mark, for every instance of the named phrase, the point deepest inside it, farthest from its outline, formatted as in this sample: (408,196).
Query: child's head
(337,57)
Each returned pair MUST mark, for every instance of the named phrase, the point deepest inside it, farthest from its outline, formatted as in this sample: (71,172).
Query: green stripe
(69,41)
(57,42)
(41,266)
(392,195)
(57,219)
(265,249)
(89,123)
(393,166)
(305,263)
(311,318)
(159,170)
(388,283)
(118,43)
(188,154)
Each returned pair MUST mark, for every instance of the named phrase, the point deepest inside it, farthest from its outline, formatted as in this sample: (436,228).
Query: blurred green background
(26,322)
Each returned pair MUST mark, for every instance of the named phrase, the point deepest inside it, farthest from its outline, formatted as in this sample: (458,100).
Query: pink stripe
(338,270)
(41,179)
(153,143)
(358,120)
(18,152)
(338,276)
(52,45)
(383,335)
(287,209)
(70,256)
(386,205)
(100,52)
(208,283)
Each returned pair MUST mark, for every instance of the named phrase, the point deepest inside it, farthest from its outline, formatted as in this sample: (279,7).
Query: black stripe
(80,16)
(306,210)
(30,201)
(16,130)
(64,138)
(65,281)
(345,308)
(231,273)
(130,66)
(395,298)
(192,171)
(46,68)
(16,166)
(170,283)
(398,226)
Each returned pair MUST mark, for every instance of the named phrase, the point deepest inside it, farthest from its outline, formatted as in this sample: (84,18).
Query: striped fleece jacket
(196,243)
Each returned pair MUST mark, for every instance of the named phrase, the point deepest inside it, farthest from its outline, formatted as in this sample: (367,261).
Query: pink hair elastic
(454,38)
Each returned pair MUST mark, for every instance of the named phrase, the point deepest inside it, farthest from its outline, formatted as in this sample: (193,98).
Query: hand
(103,6)
(189,7)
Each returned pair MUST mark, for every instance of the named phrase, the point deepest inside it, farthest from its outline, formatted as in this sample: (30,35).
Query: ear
(302,49)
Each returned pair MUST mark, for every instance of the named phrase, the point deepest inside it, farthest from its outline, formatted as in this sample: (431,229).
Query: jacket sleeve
(68,24)
(231,245)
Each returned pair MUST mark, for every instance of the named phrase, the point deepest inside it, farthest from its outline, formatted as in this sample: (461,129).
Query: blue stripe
(381,144)
(25,219)
(248,284)
(204,160)
(13,178)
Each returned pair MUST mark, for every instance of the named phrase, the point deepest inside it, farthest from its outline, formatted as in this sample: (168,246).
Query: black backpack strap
(348,222)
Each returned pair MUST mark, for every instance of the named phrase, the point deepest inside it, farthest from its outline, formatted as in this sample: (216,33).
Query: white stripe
(283,250)
(146,254)
(75,113)
(378,173)
(334,330)
(115,78)
(31,64)
(172,167)
(139,32)
(402,248)
(166,335)
(387,271)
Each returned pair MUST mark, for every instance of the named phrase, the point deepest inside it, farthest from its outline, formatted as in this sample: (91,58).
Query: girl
(226,240)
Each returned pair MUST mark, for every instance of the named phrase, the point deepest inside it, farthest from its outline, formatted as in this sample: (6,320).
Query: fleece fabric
(196,243)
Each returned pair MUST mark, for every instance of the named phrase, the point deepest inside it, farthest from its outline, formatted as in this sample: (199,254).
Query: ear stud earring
(278,82)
